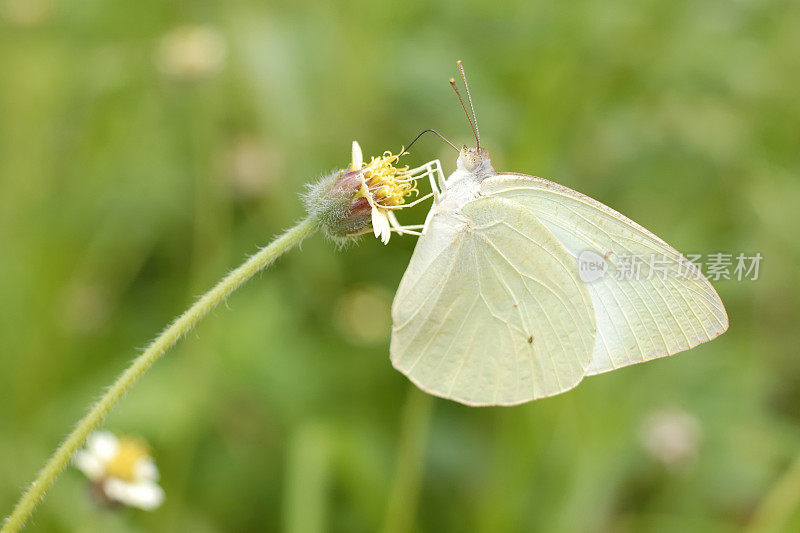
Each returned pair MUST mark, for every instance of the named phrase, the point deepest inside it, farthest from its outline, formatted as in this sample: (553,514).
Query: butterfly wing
(659,311)
(491,310)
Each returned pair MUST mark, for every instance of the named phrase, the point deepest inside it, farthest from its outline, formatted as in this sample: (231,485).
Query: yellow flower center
(386,184)
(122,465)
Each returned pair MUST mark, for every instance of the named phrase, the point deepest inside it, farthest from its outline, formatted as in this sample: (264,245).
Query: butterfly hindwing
(651,302)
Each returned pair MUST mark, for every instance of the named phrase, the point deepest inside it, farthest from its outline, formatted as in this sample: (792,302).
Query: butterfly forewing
(491,310)
(641,312)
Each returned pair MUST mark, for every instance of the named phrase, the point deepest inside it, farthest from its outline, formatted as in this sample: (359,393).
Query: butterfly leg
(391,208)
(400,229)
(439,175)
(429,170)
(435,167)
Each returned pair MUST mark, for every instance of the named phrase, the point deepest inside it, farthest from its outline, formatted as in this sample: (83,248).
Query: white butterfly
(492,309)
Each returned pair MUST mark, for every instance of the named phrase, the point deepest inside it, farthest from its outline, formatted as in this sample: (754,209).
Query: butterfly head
(474,160)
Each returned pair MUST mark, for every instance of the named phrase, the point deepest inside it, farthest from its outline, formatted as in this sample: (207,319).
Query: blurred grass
(125,192)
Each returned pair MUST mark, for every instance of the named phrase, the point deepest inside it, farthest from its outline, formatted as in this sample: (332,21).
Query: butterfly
(517,289)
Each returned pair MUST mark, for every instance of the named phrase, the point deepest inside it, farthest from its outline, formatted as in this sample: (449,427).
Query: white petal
(91,466)
(376,221)
(144,495)
(380,225)
(144,469)
(358,158)
(103,445)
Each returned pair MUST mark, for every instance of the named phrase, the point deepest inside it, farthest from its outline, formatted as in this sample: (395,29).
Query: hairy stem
(161,344)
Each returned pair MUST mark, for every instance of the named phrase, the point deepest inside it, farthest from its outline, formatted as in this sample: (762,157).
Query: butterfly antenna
(469,118)
(469,98)
(442,137)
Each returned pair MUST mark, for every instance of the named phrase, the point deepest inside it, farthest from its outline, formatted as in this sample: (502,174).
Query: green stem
(401,511)
(161,344)
(780,503)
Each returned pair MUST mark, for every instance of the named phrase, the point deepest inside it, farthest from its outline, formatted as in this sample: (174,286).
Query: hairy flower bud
(334,201)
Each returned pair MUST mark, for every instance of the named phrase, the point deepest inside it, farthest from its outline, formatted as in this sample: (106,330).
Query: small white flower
(672,437)
(122,469)
(191,52)
(384,186)
(362,197)
(363,314)
(26,13)
(249,165)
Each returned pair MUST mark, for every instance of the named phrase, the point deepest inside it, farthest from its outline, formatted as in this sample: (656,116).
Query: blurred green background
(147,147)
